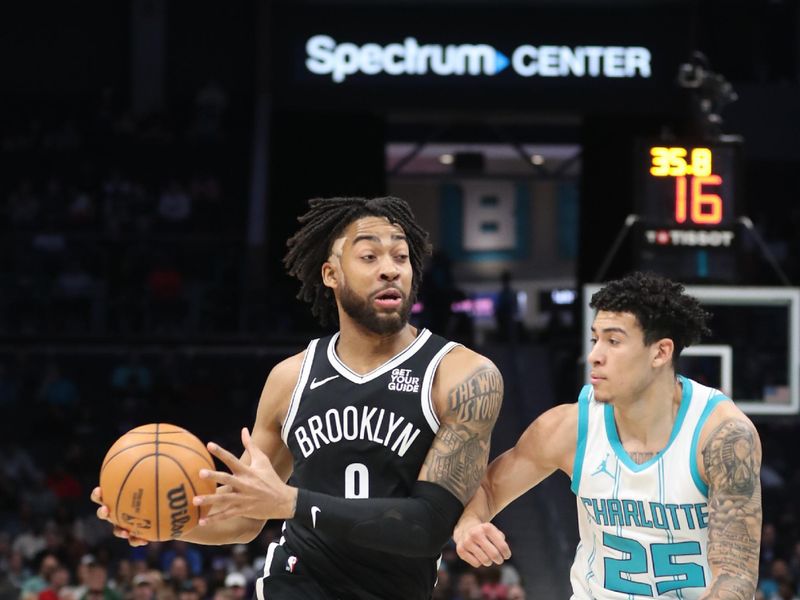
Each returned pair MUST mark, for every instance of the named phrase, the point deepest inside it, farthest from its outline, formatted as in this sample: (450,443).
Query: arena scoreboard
(686,200)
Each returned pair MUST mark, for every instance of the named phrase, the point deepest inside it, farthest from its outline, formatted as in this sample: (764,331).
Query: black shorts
(286,579)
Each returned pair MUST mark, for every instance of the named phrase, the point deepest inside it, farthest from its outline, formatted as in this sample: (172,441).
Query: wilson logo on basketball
(179,507)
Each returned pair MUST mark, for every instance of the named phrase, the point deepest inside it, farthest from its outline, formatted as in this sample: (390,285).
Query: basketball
(149,477)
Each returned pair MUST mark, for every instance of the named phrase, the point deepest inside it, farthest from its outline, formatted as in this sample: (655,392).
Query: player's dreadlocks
(661,307)
(324,222)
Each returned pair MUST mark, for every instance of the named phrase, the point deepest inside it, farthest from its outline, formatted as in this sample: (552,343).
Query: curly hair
(324,222)
(660,306)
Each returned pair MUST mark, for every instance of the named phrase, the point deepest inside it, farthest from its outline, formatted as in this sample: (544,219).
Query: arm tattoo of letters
(732,460)
(458,456)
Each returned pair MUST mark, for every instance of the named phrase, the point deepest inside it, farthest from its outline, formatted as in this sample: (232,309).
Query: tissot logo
(326,56)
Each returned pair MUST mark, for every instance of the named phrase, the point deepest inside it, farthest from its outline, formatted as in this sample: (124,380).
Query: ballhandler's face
(622,366)
(370,272)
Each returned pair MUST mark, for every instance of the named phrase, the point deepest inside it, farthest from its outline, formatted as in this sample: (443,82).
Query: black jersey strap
(415,526)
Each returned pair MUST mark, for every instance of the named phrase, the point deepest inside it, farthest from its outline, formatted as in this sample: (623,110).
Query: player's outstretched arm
(266,437)
(546,445)
(731,460)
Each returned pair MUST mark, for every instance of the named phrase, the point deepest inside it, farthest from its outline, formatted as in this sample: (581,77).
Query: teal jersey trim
(712,403)
(613,435)
(583,427)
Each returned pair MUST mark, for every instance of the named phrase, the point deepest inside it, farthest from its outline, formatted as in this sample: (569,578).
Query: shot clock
(687,205)
(687,185)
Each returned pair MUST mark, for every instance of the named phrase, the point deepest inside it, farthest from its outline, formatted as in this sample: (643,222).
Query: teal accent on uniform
(634,564)
(690,574)
(701,485)
(614,512)
(673,514)
(451,226)
(702,517)
(630,513)
(583,428)
(613,435)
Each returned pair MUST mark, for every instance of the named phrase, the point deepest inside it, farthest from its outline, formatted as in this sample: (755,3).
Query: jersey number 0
(356,481)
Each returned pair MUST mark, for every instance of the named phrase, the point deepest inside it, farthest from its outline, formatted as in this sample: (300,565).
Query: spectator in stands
(47,564)
(178,572)
(767,555)
(57,581)
(240,563)
(515,592)
(468,587)
(189,554)
(786,591)
(201,585)
(779,573)
(143,588)
(97,584)
(237,584)
(187,591)
(15,573)
(29,540)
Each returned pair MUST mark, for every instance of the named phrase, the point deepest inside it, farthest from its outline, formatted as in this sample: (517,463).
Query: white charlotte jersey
(643,528)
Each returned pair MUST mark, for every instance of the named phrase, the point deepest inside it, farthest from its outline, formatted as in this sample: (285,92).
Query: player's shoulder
(280,384)
(464,375)
(552,437)
(724,419)
(461,360)
(558,424)
(287,371)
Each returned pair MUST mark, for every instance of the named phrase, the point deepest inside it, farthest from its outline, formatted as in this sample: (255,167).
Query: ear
(330,275)
(663,350)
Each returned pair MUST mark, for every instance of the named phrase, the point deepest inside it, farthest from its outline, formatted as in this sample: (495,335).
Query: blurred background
(154,157)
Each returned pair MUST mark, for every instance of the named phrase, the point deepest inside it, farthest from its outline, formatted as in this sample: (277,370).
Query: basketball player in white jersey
(665,470)
(383,428)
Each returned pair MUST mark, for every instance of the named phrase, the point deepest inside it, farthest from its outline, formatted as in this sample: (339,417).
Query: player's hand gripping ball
(149,478)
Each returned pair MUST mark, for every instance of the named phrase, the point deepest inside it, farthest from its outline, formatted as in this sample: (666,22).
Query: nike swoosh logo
(315,384)
(314,511)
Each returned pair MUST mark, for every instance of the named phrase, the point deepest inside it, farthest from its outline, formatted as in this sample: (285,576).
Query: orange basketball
(149,477)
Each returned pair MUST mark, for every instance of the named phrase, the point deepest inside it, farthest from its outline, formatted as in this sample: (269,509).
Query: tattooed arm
(467,394)
(731,464)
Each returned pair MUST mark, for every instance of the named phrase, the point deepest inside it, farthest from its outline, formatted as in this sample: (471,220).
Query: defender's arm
(731,461)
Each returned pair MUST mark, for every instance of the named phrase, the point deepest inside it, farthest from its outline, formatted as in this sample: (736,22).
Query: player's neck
(645,421)
(363,350)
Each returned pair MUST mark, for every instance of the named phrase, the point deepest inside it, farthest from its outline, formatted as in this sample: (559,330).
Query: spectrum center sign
(340,60)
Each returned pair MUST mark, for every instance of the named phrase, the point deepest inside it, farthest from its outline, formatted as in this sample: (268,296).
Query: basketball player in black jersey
(383,428)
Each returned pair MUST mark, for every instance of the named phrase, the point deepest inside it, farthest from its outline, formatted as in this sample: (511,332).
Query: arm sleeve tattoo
(459,454)
(732,460)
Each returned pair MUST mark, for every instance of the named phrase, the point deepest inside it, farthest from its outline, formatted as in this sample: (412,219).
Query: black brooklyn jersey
(362,436)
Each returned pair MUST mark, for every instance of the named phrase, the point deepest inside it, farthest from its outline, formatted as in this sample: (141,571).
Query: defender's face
(621,363)
(370,272)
